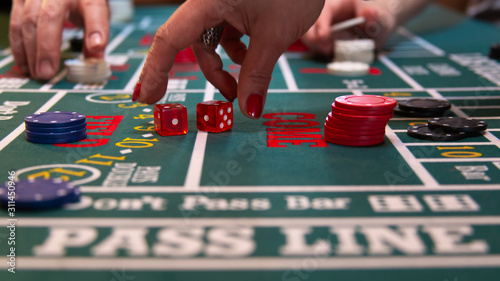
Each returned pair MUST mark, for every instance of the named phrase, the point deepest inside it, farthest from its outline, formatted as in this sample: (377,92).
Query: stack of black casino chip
(422,107)
(448,129)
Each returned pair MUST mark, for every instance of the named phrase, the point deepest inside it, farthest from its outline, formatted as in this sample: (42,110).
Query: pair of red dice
(211,116)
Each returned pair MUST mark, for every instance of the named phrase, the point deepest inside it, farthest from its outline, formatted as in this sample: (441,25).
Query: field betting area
(252,204)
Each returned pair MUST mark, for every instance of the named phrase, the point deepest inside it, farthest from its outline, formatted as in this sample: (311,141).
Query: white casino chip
(88,71)
(360,50)
(348,68)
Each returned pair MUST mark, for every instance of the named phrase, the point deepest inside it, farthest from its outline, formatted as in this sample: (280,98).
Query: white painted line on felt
(256,221)
(6,61)
(288,189)
(467,89)
(119,38)
(54,81)
(492,138)
(475,98)
(135,78)
(435,94)
(287,74)
(256,263)
(405,77)
(420,41)
(20,129)
(449,143)
(52,101)
(10,137)
(460,160)
(193,176)
(411,55)
(195,169)
(480,107)
(357,92)
(422,173)
(145,22)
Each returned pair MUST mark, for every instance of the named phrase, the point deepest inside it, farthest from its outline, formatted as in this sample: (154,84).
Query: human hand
(36,26)
(379,24)
(271,25)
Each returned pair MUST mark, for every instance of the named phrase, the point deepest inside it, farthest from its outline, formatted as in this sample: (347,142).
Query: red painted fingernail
(137,91)
(255,104)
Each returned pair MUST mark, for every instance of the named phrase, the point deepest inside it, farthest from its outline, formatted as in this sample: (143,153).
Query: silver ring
(211,37)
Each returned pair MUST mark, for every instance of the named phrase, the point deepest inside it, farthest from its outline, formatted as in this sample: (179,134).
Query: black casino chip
(458,124)
(413,113)
(425,105)
(426,133)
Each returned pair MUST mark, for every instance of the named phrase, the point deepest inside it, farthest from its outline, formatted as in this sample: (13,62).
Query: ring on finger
(211,37)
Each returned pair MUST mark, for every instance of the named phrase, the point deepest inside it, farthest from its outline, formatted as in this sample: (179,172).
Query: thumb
(256,73)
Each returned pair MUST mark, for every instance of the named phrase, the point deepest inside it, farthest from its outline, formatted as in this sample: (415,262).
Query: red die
(170,119)
(214,116)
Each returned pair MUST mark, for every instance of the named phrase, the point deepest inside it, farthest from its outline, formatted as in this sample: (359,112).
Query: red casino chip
(334,130)
(354,138)
(363,112)
(354,143)
(356,124)
(366,102)
(338,124)
(361,118)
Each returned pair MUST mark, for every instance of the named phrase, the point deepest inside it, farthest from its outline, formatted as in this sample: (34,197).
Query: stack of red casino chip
(359,120)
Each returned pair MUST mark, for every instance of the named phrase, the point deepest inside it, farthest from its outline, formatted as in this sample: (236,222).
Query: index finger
(96,19)
(16,35)
(181,30)
(50,23)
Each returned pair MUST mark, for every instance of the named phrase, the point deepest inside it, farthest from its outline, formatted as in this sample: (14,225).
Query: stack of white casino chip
(122,11)
(348,68)
(88,71)
(352,57)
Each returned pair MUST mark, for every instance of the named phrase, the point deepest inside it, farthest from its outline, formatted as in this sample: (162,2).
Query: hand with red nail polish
(137,91)
(381,18)
(271,25)
(36,26)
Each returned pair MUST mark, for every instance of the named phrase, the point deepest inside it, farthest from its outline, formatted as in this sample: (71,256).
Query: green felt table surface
(247,204)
